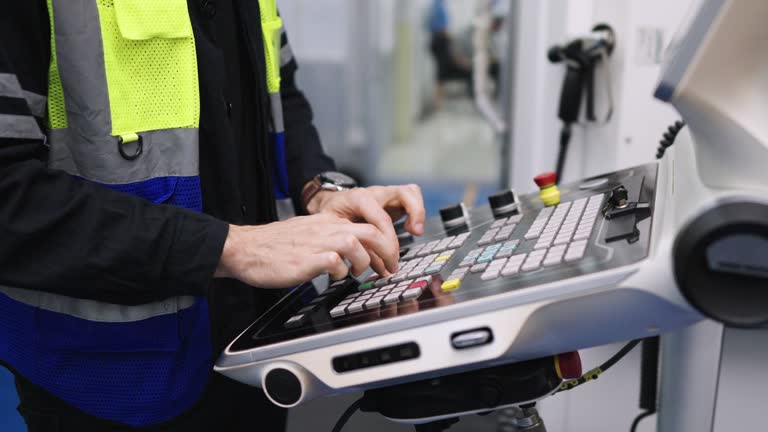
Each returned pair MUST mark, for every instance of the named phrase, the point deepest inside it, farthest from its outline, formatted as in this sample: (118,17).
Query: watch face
(338,179)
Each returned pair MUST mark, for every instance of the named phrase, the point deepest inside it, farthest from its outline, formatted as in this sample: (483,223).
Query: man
(110,316)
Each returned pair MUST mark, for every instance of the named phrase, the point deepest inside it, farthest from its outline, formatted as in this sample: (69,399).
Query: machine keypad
(558,235)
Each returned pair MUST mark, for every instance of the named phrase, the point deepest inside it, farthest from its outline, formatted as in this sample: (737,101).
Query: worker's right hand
(284,254)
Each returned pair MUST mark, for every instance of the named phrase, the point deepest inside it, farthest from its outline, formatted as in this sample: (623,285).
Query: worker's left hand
(376,205)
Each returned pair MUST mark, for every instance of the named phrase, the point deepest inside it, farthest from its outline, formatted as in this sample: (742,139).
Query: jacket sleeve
(71,237)
(304,152)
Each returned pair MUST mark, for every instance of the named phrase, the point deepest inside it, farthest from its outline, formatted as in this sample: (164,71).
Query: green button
(365,286)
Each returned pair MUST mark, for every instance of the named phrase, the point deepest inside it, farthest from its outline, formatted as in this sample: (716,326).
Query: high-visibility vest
(123,112)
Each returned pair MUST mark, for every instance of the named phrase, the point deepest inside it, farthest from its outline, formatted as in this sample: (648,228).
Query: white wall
(633,134)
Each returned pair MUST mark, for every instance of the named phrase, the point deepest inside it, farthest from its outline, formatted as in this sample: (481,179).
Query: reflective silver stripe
(19,126)
(80,56)
(276,104)
(36,103)
(87,148)
(97,311)
(167,153)
(9,86)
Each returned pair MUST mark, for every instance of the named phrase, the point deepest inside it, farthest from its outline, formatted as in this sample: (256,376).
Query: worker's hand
(377,205)
(284,254)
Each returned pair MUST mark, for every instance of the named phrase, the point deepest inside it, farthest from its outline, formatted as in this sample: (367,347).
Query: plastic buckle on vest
(129,138)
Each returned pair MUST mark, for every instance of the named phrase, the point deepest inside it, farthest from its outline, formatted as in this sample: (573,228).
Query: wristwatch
(330,181)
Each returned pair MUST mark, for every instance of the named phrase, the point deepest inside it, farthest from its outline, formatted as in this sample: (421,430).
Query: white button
(531,264)
(339,311)
(392,298)
(356,307)
(411,293)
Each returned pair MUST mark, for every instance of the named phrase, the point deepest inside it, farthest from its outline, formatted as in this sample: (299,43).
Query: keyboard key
(434,269)
(484,241)
(445,257)
(574,254)
(451,285)
(427,279)
(458,241)
(416,273)
(399,277)
(374,303)
(467,262)
(296,321)
(484,259)
(477,268)
(355,307)
(475,252)
(392,298)
(490,274)
(514,219)
(307,309)
(339,311)
(499,263)
(532,263)
(428,248)
(419,284)
(346,301)
(455,275)
(365,286)
(512,268)
(412,293)
(499,223)
(338,283)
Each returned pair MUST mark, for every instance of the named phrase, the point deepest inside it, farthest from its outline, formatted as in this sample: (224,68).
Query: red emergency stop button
(545,179)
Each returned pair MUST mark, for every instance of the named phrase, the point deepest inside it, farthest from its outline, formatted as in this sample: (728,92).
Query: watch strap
(309,192)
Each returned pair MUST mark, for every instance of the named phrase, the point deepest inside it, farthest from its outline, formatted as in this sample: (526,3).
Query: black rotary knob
(503,203)
(453,216)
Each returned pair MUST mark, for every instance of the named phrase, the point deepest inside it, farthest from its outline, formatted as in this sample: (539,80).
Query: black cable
(596,372)
(649,374)
(637,420)
(565,139)
(669,138)
(346,416)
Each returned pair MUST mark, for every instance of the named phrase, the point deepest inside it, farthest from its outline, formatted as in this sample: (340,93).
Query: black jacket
(53,228)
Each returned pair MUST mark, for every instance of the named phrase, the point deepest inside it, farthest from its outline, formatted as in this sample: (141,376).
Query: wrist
(226,267)
(317,203)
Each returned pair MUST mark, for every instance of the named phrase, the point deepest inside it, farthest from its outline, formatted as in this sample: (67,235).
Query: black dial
(503,203)
(453,216)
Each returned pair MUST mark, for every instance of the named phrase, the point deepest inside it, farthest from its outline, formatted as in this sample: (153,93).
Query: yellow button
(442,258)
(451,285)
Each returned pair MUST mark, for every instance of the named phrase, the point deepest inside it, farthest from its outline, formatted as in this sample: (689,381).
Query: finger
(329,263)
(375,215)
(413,203)
(377,264)
(348,246)
(382,247)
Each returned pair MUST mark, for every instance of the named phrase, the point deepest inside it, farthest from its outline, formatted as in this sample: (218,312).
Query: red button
(569,365)
(546,179)
(419,284)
